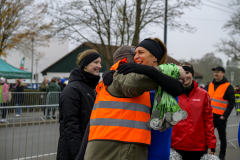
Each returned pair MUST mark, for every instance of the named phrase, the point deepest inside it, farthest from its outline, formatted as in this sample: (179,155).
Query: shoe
(221,156)
(18,115)
(3,120)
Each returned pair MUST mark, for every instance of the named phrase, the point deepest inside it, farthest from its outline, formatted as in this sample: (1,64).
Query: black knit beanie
(88,59)
(153,47)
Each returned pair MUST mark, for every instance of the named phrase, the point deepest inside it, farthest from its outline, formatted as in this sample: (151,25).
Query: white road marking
(44,155)
(234,125)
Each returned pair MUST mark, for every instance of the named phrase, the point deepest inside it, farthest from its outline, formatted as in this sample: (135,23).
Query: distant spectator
(44,84)
(53,97)
(237,89)
(18,97)
(5,90)
(62,85)
(58,80)
(206,87)
(43,88)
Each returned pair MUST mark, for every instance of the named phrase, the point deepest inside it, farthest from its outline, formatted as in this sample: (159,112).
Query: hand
(46,84)
(182,72)
(222,118)
(127,68)
(161,130)
(108,77)
(210,151)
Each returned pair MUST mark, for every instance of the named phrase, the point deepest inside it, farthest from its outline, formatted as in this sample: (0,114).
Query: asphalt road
(41,140)
(28,141)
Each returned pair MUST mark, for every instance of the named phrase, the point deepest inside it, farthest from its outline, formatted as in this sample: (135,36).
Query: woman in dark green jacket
(53,91)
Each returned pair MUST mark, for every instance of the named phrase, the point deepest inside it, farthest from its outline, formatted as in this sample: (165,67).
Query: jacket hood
(224,80)
(78,74)
(52,85)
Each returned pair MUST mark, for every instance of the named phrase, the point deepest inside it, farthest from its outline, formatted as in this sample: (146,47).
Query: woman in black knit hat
(76,103)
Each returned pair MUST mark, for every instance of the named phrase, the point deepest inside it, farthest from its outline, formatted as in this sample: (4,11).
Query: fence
(29,138)
(29,133)
(26,99)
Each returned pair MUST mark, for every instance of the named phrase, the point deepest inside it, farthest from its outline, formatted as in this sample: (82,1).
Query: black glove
(133,68)
(108,77)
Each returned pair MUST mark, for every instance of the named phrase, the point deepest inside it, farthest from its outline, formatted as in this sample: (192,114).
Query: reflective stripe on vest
(119,123)
(216,100)
(220,108)
(122,105)
(120,119)
(218,103)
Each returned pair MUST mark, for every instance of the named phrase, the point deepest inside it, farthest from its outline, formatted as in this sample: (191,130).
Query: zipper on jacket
(188,108)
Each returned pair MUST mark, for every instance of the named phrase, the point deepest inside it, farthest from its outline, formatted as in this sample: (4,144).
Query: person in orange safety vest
(222,100)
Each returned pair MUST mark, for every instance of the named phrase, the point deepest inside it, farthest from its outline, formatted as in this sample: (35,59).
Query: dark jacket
(62,86)
(53,98)
(75,107)
(229,96)
(19,97)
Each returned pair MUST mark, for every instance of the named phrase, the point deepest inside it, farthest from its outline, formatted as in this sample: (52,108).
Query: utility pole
(165,23)
(32,59)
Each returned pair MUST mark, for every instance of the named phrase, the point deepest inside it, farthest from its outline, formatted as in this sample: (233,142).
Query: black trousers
(48,111)
(221,128)
(191,155)
(4,111)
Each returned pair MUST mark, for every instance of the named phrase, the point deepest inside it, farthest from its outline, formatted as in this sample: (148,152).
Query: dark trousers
(48,111)
(4,111)
(191,155)
(221,127)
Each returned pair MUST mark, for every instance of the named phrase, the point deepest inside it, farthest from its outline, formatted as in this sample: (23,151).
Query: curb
(3,125)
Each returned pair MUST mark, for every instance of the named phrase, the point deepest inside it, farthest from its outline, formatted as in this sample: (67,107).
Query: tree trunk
(135,40)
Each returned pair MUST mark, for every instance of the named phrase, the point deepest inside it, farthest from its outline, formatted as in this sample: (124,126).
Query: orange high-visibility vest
(218,103)
(120,119)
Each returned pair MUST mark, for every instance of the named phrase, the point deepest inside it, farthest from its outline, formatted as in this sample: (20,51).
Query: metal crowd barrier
(26,99)
(28,137)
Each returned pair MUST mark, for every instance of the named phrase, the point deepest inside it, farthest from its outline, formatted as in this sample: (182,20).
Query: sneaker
(18,115)
(221,156)
(3,120)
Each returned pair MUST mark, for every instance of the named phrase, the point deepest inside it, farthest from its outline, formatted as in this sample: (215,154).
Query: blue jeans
(19,110)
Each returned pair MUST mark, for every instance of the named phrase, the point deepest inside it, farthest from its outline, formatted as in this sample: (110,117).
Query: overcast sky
(209,23)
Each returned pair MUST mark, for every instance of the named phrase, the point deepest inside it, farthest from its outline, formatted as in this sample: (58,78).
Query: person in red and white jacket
(192,136)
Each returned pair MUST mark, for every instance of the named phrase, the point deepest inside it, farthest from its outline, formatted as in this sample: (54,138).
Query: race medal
(184,114)
(156,113)
(168,116)
(177,116)
(173,122)
(155,123)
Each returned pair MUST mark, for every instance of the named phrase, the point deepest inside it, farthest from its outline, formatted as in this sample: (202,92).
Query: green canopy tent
(10,72)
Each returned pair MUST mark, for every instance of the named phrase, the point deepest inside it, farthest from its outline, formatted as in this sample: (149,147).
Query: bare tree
(18,20)
(114,22)
(205,64)
(231,46)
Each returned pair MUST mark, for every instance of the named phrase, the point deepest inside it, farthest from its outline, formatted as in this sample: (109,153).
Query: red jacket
(197,130)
